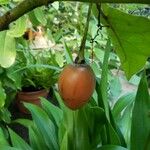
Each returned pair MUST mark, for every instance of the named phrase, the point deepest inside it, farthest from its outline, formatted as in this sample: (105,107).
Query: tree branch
(28,5)
(21,9)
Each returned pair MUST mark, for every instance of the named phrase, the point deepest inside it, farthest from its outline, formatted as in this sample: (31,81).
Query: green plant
(36,69)
(94,126)
(126,125)
(87,128)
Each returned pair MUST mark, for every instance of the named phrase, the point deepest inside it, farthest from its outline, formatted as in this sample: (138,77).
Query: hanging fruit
(76,85)
(77,81)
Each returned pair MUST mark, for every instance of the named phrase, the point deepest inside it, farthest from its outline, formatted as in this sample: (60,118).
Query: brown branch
(21,9)
(28,5)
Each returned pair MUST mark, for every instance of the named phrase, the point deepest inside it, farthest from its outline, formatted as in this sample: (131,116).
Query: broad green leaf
(130,36)
(7,50)
(18,29)
(2,96)
(111,147)
(37,17)
(17,141)
(45,125)
(140,128)
(55,112)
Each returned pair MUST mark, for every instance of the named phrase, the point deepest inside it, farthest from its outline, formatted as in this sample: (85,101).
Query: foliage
(106,122)
(62,128)
(36,69)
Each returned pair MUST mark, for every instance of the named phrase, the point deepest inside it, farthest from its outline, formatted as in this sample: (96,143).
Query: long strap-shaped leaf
(102,89)
(17,141)
(140,118)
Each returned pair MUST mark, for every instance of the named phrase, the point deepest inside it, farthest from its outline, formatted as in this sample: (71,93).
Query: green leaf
(36,140)
(111,147)
(81,136)
(17,141)
(37,17)
(60,101)
(7,50)
(5,115)
(68,55)
(16,77)
(64,143)
(140,128)
(66,126)
(96,119)
(37,66)
(18,28)
(59,59)
(2,96)
(99,53)
(3,141)
(45,125)
(124,122)
(113,137)
(25,122)
(55,112)
(130,36)
(115,87)
(4,2)
(122,103)
(8,148)
(102,89)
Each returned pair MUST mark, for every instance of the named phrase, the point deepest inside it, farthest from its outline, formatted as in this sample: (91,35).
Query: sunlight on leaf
(7,50)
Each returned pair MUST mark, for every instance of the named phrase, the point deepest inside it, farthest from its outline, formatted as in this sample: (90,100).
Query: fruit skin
(76,85)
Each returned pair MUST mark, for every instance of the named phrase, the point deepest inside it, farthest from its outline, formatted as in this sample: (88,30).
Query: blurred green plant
(99,125)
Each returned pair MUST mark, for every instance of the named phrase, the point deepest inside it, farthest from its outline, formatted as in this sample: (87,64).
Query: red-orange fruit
(76,85)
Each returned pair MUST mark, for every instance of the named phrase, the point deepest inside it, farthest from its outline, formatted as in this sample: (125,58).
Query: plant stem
(80,57)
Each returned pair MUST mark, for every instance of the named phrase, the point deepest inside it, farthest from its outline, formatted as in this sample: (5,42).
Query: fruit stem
(80,58)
